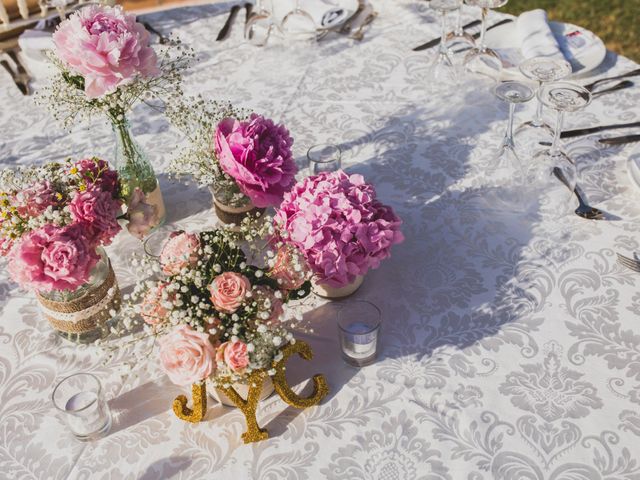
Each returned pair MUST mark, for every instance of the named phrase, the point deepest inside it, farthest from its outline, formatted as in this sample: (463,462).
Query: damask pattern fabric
(511,343)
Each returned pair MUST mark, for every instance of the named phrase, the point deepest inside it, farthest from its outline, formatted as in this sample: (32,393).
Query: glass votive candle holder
(324,158)
(79,398)
(359,327)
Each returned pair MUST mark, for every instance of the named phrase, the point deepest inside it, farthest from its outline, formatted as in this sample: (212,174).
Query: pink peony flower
(284,270)
(152,310)
(97,172)
(339,226)
(257,154)
(141,215)
(187,356)
(228,291)
(53,258)
(235,355)
(180,251)
(107,47)
(97,212)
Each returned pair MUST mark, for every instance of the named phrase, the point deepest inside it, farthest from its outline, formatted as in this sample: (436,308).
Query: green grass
(617,22)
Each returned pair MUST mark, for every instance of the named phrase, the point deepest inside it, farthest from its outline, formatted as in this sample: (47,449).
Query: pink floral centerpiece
(106,64)
(340,227)
(246,161)
(218,317)
(55,219)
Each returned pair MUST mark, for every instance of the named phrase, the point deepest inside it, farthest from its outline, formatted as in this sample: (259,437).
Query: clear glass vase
(84,315)
(136,172)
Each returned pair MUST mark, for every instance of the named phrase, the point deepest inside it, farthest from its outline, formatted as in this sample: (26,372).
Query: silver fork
(630,263)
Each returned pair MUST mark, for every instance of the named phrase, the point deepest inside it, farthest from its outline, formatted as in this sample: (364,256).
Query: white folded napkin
(33,44)
(535,36)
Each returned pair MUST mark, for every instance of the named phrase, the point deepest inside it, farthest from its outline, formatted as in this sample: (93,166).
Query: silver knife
(620,140)
(588,131)
(436,41)
(226,29)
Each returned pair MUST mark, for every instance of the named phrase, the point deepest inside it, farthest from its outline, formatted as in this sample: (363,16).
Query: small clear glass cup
(481,59)
(154,243)
(324,157)
(79,397)
(359,325)
(542,70)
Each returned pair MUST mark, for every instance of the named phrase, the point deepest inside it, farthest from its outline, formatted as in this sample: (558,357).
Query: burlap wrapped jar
(83,316)
(229,211)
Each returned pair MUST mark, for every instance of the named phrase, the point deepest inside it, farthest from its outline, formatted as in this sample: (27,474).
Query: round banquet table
(511,343)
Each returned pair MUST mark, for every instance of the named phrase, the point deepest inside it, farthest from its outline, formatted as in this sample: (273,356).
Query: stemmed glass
(458,38)
(541,70)
(482,59)
(260,25)
(298,23)
(442,71)
(507,163)
(554,169)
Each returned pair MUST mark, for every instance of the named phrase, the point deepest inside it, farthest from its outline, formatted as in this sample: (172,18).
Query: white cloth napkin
(33,44)
(535,36)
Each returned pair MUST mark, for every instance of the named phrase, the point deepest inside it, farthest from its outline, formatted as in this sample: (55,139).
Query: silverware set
(18,74)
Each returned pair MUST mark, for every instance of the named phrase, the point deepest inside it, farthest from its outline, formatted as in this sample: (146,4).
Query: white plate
(633,166)
(582,48)
(325,13)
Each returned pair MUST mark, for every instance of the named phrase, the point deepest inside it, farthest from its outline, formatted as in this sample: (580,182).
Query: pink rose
(187,356)
(257,154)
(142,216)
(105,46)
(53,258)
(34,200)
(234,354)
(97,211)
(228,291)
(180,251)
(284,270)
(152,310)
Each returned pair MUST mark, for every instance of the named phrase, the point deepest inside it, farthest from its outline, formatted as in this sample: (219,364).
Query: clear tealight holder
(324,158)
(359,324)
(79,398)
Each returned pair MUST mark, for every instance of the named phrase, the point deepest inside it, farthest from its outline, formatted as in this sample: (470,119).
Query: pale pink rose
(228,291)
(264,295)
(234,354)
(284,269)
(187,356)
(142,216)
(180,251)
(107,47)
(152,311)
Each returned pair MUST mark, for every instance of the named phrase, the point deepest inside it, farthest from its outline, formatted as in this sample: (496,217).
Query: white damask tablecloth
(511,345)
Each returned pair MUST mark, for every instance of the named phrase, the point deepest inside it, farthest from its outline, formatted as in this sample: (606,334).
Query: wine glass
(458,39)
(260,26)
(553,170)
(442,71)
(507,162)
(298,24)
(541,70)
(482,59)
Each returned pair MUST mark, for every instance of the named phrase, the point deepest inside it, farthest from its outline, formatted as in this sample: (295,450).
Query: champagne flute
(482,59)
(298,24)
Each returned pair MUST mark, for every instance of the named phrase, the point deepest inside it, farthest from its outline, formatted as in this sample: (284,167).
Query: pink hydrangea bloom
(180,251)
(53,258)
(338,224)
(257,154)
(107,47)
(187,356)
(97,212)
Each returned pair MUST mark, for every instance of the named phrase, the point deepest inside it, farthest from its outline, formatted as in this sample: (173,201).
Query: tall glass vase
(138,181)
